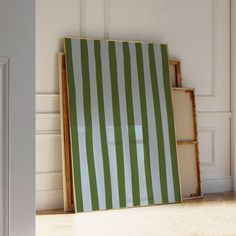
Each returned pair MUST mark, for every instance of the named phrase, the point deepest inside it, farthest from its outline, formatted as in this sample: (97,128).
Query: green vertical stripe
(106,166)
(88,123)
(73,127)
(143,102)
(117,124)
(159,127)
(131,124)
(165,66)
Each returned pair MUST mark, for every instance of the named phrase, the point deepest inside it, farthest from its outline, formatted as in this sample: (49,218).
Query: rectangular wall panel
(49,184)
(48,152)
(202,42)
(214,147)
(55,19)
(49,181)
(92,15)
(49,200)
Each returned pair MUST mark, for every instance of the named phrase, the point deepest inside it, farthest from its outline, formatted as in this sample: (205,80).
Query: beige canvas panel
(183,114)
(189,174)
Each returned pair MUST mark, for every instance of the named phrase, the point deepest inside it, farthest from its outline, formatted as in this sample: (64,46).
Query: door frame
(233,92)
(17,69)
(4,145)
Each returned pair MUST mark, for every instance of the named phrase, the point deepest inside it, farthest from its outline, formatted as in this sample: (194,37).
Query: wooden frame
(193,141)
(177,80)
(65,136)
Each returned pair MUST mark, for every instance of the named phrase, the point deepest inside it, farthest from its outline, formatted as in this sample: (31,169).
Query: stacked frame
(175,77)
(187,134)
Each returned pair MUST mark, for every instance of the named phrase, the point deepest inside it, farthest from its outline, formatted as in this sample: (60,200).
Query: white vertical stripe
(124,123)
(138,126)
(152,129)
(109,124)
(97,144)
(76,54)
(161,89)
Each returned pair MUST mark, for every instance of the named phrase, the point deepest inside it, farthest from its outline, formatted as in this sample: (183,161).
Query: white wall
(198,32)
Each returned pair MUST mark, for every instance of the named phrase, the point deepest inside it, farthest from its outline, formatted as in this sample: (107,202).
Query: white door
(17,82)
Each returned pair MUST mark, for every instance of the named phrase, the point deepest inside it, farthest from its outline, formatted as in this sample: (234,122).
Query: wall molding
(50,103)
(49,181)
(47,123)
(214,114)
(210,130)
(49,200)
(106,18)
(213,35)
(214,145)
(82,18)
(220,34)
(47,103)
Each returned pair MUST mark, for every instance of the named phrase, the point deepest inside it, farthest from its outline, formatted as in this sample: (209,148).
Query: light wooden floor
(213,215)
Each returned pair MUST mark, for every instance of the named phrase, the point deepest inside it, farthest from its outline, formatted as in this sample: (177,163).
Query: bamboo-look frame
(177,67)
(191,92)
(65,136)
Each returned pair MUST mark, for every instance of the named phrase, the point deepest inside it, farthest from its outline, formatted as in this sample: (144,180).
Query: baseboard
(49,200)
(217,184)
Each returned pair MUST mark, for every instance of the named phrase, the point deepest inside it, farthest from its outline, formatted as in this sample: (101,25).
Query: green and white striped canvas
(122,127)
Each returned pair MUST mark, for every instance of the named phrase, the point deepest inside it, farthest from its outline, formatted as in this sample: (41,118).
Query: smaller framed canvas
(187,139)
